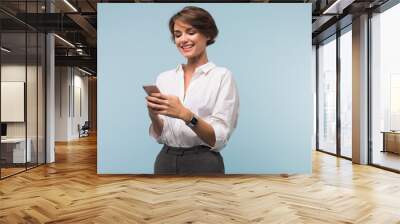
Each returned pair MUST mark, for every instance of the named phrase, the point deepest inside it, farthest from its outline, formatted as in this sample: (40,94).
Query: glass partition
(327,96)
(14,153)
(32,95)
(22,77)
(385,81)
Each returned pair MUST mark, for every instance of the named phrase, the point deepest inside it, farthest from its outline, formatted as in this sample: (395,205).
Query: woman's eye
(192,33)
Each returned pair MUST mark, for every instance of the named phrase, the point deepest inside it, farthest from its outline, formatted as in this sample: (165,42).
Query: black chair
(84,130)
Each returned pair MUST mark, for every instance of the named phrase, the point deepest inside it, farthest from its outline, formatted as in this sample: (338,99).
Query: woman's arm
(204,130)
(156,122)
(171,106)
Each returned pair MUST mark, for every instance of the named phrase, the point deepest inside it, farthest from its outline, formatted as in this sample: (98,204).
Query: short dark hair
(199,19)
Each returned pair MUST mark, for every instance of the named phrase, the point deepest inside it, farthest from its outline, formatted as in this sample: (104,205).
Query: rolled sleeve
(225,113)
(221,131)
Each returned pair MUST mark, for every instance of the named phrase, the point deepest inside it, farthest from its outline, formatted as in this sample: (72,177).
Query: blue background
(266,46)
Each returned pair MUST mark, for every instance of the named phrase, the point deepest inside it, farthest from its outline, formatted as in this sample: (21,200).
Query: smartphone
(151,89)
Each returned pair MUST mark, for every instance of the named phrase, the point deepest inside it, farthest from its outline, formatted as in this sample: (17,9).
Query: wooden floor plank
(70,191)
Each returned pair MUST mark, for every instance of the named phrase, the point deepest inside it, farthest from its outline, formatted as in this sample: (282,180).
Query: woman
(197,109)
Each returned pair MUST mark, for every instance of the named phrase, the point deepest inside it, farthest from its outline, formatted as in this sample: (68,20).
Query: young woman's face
(189,41)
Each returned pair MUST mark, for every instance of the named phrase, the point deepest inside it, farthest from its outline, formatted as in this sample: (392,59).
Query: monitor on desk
(3,130)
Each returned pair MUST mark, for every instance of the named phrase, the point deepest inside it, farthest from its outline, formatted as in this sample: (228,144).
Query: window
(385,88)
(346,93)
(327,96)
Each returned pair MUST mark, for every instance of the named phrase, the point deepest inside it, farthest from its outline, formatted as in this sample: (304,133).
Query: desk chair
(84,130)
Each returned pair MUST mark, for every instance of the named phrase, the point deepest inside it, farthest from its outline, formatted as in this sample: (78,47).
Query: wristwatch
(193,121)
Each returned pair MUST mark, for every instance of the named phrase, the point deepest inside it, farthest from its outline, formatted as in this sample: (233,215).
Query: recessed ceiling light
(70,5)
(84,71)
(64,40)
(337,7)
(5,50)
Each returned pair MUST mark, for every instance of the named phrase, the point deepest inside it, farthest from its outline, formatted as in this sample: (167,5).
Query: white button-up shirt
(212,95)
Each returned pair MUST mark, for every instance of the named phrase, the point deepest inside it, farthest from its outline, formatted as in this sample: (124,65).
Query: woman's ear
(208,39)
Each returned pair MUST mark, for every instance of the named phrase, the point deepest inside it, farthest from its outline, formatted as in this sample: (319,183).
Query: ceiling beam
(84,61)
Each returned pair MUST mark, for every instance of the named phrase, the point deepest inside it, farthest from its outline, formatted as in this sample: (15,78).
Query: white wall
(62,81)
(12,73)
(70,83)
(33,127)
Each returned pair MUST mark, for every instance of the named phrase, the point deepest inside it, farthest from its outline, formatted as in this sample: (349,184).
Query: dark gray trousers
(197,160)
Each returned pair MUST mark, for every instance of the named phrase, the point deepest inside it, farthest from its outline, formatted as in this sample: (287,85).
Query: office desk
(391,141)
(13,150)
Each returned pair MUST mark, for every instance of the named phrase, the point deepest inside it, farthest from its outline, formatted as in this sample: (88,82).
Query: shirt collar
(204,69)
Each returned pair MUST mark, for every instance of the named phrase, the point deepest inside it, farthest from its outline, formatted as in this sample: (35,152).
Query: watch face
(193,122)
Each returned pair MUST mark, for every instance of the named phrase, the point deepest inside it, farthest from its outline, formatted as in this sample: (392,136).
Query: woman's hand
(168,105)
(171,106)
(152,113)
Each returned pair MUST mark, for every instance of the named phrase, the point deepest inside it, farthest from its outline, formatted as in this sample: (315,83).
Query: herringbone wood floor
(70,191)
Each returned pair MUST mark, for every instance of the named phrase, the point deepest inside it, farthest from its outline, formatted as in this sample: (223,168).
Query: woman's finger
(163,96)
(153,109)
(155,94)
(163,112)
(156,106)
(156,100)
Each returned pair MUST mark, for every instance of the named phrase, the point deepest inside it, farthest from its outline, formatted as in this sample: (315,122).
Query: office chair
(84,130)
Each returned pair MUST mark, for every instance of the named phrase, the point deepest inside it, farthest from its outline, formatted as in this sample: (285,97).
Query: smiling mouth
(187,47)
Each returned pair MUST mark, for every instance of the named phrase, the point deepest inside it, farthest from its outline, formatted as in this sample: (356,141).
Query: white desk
(18,149)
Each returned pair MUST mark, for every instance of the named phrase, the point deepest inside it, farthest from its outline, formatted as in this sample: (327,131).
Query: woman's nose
(184,38)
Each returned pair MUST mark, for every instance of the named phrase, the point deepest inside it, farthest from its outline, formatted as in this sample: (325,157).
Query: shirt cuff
(161,137)
(221,131)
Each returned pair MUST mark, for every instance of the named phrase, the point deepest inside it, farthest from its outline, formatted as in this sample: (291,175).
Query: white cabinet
(18,149)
